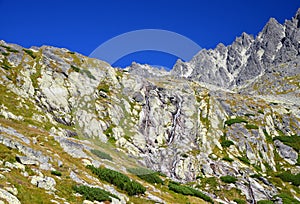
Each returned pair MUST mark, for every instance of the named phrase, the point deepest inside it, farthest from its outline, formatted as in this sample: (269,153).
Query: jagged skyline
(82,26)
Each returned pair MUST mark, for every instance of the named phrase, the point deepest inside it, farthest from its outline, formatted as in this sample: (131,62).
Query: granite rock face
(246,58)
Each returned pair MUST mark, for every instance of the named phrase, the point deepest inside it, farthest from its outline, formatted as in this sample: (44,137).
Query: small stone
(86,162)
(87,202)
(59,163)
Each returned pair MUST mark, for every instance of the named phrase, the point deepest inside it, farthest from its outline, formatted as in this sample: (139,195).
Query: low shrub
(6,65)
(30,53)
(289,177)
(76,69)
(146,175)
(103,87)
(9,49)
(235,120)
(265,202)
(226,143)
(83,71)
(249,114)
(287,199)
(186,190)
(101,155)
(228,179)
(240,201)
(292,141)
(268,137)
(260,111)
(255,176)
(245,160)
(56,173)
(227,159)
(251,127)
(118,179)
(94,194)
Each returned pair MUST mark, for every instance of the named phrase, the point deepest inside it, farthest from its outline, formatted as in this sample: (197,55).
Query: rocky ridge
(247,57)
(232,112)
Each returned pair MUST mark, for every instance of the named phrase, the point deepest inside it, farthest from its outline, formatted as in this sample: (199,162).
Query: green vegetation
(76,69)
(9,49)
(184,155)
(94,194)
(186,190)
(240,201)
(244,159)
(228,179)
(292,141)
(84,71)
(109,131)
(5,53)
(88,73)
(265,202)
(235,120)
(251,127)
(211,181)
(103,87)
(30,53)
(287,199)
(118,179)
(289,177)
(146,175)
(260,111)
(56,173)
(255,176)
(226,158)
(6,65)
(226,143)
(268,137)
(101,155)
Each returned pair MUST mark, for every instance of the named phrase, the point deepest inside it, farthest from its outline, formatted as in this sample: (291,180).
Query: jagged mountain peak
(240,63)
(146,70)
(297,16)
(273,27)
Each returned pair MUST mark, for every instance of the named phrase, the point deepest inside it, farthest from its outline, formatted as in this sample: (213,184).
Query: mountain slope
(224,123)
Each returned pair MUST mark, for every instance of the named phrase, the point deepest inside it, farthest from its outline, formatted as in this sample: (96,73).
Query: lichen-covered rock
(286,152)
(8,197)
(47,183)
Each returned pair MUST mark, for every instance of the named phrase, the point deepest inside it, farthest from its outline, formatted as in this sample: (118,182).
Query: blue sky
(82,26)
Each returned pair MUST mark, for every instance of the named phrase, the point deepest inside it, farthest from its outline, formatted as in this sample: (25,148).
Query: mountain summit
(222,128)
(246,58)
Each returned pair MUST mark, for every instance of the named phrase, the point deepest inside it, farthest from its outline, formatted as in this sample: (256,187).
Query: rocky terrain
(222,128)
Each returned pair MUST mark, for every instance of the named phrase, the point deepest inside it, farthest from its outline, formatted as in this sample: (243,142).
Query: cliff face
(233,111)
(247,58)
